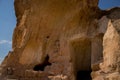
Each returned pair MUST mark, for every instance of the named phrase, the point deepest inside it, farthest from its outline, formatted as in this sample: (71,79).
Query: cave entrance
(84,75)
(81,57)
(41,67)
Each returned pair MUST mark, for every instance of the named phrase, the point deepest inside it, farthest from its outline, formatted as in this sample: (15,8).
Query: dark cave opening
(81,56)
(84,75)
(41,67)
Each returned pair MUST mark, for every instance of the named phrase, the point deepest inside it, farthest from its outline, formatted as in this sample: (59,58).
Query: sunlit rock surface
(58,39)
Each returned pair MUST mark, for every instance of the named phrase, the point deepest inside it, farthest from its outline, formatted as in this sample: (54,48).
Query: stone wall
(69,32)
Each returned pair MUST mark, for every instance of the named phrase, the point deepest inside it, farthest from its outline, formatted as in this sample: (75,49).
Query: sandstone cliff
(55,39)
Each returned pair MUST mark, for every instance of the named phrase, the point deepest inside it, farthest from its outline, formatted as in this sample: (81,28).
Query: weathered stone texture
(110,67)
(54,39)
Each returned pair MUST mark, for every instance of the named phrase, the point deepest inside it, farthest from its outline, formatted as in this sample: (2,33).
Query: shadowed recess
(84,75)
(41,67)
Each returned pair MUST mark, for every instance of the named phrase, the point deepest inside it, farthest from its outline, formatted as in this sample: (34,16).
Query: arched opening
(107,4)
(41,67)
(81,57)
(7,25)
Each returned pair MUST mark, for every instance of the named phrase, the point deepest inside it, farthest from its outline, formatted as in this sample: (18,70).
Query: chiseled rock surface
(54,39)
(110,67)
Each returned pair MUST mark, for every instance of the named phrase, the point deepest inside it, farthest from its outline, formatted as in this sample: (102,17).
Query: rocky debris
(58,77)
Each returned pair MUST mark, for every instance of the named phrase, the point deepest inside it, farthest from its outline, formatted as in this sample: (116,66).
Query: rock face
(110,67)
(58,39)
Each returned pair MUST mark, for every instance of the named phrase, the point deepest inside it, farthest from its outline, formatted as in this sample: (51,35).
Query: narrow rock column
(111,45)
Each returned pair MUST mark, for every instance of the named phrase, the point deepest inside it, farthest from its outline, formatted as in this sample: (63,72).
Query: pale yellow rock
(110,67)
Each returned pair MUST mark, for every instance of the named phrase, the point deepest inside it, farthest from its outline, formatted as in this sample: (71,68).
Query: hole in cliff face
(81,57)
(41,67)
(47,37)
(84,75)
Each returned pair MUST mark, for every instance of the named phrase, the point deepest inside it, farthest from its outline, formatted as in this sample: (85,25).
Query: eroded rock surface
(57,39)
(110,67)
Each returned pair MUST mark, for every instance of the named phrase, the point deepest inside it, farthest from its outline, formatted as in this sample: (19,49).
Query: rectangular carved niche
(81,56)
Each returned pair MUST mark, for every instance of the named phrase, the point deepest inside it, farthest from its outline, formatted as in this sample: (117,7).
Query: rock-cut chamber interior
(81,58)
